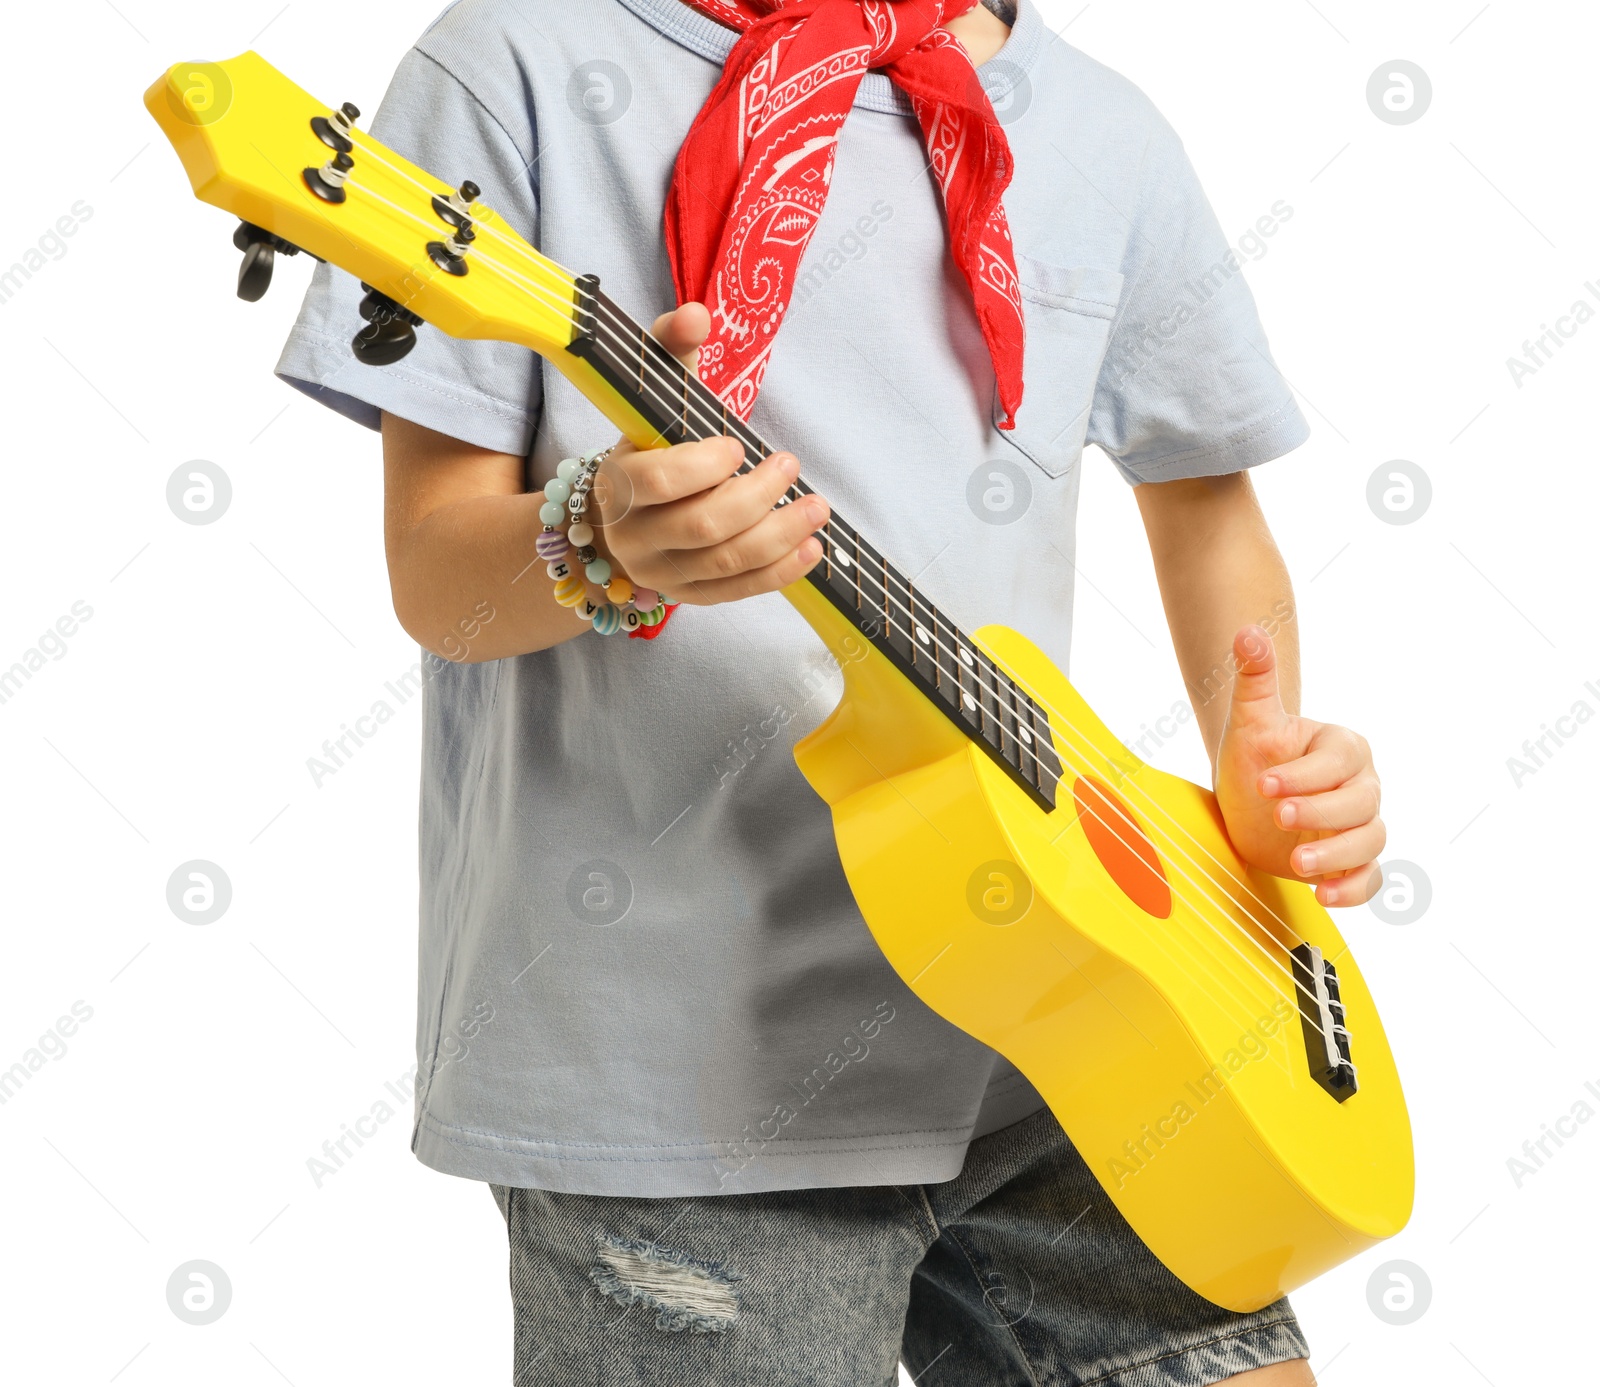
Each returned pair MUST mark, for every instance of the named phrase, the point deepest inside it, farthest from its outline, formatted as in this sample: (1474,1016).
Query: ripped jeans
(1018,1271)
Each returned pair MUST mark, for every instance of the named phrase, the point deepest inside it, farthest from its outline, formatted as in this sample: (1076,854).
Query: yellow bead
(570,590)
(620,591)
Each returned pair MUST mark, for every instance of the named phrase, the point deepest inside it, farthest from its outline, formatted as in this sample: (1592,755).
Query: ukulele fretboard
(881,603)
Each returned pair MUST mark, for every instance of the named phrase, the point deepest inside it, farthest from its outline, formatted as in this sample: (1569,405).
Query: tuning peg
(456,207)
(259,247)
(390,333)
(451,255)
(336,132)
(328,181)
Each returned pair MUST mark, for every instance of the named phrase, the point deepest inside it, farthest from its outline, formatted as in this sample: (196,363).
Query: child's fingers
(780,532)
(716,515)
(792,567)
(656,476)
(1335,755)
(1340,853)
(1353,888)
(682,331)
(1352,804)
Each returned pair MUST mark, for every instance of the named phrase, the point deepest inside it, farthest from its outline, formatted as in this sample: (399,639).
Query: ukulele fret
(947,683)
(856,567)
(924,644)
(971,710)
(911,621)
(1010,737)
(888,607)
(988,704)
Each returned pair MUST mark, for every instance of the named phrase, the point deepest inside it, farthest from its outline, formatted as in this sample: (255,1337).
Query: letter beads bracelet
(574,563)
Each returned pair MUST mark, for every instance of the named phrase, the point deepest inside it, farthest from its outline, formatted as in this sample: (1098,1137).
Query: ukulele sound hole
(1129,858)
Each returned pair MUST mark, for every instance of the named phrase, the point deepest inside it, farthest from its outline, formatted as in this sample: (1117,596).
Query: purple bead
(552,544)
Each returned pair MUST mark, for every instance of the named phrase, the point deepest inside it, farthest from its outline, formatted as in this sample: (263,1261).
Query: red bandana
(755,168)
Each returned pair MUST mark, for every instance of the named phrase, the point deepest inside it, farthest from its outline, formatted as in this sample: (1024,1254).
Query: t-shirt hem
(1005,1104)
(1280,432)
(660,1172)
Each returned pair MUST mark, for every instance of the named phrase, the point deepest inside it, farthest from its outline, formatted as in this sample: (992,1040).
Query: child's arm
(1300,798)
(1219,569)
(459,530)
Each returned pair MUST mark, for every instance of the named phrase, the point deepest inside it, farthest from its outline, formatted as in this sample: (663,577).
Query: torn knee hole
(685,1292)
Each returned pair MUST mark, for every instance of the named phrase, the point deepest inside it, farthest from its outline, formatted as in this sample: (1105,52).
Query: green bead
(552,513)
(557,490)
(568,469)
(597,572)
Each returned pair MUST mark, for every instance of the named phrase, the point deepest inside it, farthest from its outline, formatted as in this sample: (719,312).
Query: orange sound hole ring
(1130,859)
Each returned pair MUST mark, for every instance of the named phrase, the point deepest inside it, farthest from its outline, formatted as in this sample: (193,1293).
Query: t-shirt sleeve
(486,393)
(1188,387)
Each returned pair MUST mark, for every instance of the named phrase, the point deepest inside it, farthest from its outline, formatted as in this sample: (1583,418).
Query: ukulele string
(564,306)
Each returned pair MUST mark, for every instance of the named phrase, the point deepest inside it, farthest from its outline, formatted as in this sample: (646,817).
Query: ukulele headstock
(301,176)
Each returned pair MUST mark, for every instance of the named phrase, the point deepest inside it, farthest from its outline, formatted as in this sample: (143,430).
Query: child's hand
(679,521)
(1300,798)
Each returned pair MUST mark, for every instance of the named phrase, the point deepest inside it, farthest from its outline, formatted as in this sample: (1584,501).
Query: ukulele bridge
(1322,1020)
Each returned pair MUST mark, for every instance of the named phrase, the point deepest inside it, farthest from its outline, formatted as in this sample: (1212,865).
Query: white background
(177,723)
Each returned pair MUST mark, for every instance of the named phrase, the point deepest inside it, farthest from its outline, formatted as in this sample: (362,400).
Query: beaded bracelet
(621,607)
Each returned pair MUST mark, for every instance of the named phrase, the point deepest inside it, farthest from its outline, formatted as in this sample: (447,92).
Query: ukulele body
(1171,1049)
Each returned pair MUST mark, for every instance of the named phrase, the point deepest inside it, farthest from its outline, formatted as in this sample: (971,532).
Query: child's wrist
(587,579)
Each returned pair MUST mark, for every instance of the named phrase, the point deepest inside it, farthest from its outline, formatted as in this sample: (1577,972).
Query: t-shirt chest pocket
(1067,315)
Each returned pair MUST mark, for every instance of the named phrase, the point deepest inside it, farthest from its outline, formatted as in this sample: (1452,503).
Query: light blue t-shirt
(641,968)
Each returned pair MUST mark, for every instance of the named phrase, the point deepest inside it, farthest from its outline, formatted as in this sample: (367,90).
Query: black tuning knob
(456,207)
(451,255)
(260,248)
(390,332)
(328,181)
(336,132)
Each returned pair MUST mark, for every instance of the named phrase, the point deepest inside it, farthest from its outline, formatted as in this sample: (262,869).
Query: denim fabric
(1019,1271)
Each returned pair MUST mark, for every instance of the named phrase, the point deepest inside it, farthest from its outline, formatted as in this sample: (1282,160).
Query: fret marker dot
(922,635)
(966,656)
(969,701)
(841,558)
(1027,736)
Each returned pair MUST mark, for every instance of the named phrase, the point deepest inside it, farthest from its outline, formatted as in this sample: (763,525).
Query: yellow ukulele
(1199,1028)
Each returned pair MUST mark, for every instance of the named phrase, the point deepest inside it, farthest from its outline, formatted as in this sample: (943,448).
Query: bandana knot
(753,175)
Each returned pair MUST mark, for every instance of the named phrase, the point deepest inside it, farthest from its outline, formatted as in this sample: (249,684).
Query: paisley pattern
(754,171)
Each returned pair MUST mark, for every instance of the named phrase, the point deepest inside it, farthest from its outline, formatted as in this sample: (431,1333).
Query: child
(695,1085)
